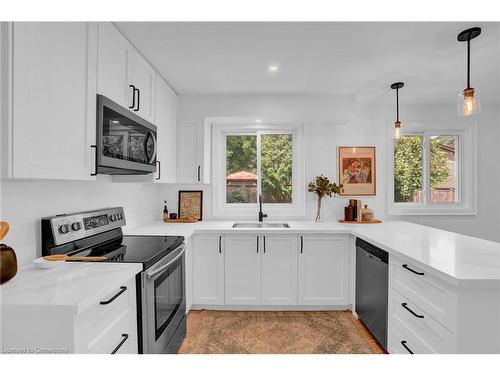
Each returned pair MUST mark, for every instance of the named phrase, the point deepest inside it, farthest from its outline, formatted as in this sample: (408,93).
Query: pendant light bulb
(468,101)
(397,128)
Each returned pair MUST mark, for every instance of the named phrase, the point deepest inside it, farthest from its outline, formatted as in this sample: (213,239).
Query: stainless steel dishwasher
(372,288)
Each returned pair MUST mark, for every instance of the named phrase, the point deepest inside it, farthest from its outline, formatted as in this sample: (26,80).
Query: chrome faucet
(262,215)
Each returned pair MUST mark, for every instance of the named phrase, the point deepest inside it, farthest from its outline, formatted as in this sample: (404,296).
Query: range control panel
(70,227)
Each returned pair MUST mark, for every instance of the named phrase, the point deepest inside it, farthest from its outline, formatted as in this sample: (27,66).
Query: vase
(8,263)
(318,210)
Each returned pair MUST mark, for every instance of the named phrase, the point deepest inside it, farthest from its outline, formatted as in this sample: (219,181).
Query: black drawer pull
(405,305)
(264,238)
(301,244)
(125,337)
(133,96)
(406,347)
(220,244)
(122,289)
(257,244)
(409,269)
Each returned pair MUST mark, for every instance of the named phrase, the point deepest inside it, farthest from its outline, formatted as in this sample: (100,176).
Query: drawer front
(118,338)
(402,342)
(408,315)
(434,296)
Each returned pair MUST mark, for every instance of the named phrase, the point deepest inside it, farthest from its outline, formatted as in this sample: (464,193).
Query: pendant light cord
(397,104)
(468,63)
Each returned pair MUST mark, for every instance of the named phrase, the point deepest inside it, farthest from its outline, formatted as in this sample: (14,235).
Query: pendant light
(397,125)
(468,102)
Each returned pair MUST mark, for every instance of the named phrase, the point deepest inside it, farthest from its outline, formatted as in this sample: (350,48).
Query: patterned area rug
(276,332)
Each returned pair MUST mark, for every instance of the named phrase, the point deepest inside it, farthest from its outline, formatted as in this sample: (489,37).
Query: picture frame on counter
(190,204)
(357,170)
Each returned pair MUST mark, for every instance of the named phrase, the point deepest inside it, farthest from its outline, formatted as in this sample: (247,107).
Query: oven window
(169,296)
(125,139)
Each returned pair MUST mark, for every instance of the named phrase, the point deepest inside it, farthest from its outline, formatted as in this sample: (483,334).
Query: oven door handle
(156,271)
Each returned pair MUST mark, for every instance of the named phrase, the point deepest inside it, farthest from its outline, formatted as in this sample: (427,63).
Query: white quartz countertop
(456,258)
(72,285)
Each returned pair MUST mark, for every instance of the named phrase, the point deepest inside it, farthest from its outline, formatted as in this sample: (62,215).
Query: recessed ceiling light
(273,68)
(115,121)
(258,121)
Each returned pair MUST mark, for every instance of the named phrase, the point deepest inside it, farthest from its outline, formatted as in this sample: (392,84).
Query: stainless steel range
(161,291)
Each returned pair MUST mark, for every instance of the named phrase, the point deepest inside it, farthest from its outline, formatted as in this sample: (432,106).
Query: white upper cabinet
(279,270)
(124,75)
(242,269)
(190,141)
(323,270)
(166,122)
(53,120)
(143,78)
(115,65)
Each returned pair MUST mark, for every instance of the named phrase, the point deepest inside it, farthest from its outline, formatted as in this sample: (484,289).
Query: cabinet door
(189,151)
(323,270)
(279,270)
(208,269)
(54,104)
(166,123)
(115,65)
(144,81)
(242,269)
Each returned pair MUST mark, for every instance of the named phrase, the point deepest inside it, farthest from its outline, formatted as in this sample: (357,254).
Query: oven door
(163,301)
(126,143)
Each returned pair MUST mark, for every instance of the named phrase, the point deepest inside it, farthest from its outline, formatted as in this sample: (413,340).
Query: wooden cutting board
(182,220)
(374,221)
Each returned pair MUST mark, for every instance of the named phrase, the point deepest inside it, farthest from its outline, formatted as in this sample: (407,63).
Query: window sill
(438,210)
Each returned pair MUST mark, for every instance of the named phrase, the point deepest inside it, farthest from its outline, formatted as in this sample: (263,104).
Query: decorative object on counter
(357,170)
(165,210)
(397,125)
(173,216)
(322,186)
(468,101)
(190,204)
(8,259)
(349,213)
(354,204)
(366,214)
(69,258)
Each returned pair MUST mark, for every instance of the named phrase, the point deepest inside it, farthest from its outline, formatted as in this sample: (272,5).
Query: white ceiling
(327,57)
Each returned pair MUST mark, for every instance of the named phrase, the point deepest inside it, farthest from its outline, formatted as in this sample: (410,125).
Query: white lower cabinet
(279,270)
(323,272)
(242,269)
(208,269)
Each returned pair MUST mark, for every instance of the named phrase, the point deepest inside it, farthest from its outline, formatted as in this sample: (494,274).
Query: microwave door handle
(155,146)
(133,96)
(155,272)
(138,100)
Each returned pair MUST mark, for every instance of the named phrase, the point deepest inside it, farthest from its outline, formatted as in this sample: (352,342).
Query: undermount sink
(261,225)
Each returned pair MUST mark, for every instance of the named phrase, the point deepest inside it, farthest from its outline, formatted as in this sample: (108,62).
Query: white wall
(23,203)
(334,120)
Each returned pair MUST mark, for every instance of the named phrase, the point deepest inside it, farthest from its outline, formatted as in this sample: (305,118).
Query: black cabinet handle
(199,173)
(95,161)
(301,244)
(405,305)
(264,237)
(220,244)
(406,347)
(122,289)
(257,244)
(159,170)
(125,337)
(133,96)
(409,269)
(138,100)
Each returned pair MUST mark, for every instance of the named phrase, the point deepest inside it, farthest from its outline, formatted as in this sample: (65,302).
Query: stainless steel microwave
(126,143)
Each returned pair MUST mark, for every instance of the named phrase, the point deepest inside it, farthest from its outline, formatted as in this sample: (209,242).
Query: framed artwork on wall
(191,204)
(357,170)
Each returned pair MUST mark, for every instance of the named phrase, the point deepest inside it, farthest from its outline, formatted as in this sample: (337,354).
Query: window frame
(250,210)
(465,169)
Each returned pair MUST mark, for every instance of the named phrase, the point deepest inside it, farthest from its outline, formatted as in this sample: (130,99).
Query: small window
(429,174)
(276,158)
(241,169)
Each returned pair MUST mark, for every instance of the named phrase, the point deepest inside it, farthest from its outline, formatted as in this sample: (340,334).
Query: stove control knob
(63,229)
(120,216)
(76,226)
(112,218)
